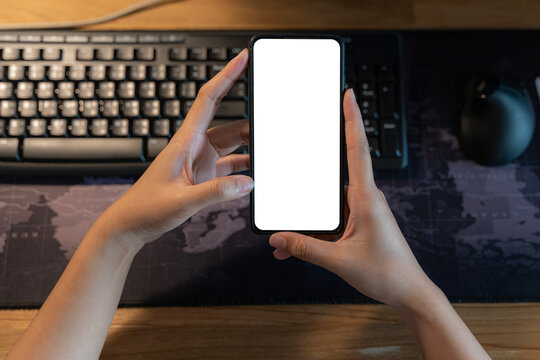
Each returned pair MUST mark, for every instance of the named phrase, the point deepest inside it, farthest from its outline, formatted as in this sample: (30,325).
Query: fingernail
(244,184)
(279,242)
(352,91)
(241,54)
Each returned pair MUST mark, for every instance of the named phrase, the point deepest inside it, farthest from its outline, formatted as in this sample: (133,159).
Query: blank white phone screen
(296,134)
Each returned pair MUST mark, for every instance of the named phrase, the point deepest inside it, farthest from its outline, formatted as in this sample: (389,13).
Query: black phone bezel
(339,40)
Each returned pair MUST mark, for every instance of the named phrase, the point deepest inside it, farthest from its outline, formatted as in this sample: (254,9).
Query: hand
(372,254)
(190,173)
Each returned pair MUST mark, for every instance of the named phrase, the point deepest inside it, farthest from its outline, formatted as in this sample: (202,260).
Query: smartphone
(296,133)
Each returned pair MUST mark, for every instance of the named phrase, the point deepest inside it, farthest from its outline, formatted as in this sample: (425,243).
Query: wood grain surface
(508,331)
(288,14)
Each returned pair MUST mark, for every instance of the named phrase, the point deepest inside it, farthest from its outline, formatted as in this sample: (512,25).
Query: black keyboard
(106,103)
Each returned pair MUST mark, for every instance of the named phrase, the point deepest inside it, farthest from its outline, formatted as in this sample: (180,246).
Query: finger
(281,254)
(227,138)
(358,155)
(205,105)
(232,164)
(304,247)
(218,190)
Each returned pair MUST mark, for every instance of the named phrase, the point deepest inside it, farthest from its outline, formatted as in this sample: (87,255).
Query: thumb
(220,189)
(306,248)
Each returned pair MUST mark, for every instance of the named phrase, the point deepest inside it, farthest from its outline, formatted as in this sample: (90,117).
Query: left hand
(191,173)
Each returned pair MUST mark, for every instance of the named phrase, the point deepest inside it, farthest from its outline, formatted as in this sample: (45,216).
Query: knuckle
(302,250)
(216,189)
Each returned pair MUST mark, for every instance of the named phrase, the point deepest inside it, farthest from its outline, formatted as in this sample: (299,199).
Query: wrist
(107,232)
(423,303)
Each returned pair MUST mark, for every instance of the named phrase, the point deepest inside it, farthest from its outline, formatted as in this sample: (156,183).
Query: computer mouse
(497,120)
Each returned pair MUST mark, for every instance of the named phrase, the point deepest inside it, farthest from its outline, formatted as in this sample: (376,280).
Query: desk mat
(475,230)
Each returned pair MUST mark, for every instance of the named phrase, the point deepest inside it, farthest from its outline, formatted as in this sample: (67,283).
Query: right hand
(372,255)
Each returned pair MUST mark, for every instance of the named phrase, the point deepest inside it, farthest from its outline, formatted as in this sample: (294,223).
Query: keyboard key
(137,72)
(76,38)
(197,53)
(167,90)
(105,53)
(176,125)
(140,127)
(125,38)
(374,146)
(58,127)
(368,108)
(235,109)
(85,54)
(233,52)
(390,139)
(45,90)
(100,127)
(79,127)
(130,108)
(367,90)
(388,100)
(48,108)
(172,38)
(148,38)
(16,127)
(52,54)
(217,54)
(30,38)
(96,72)
(6,90)
(15,72)
(31,54)
(126,90)
(9,53)
(178,54)
(82,149)
(37,127)
(371,127)
(101,38)
(120,127)
(146,53)
(110,108)
(8,108)
(150,108)
(106,90)
(157,72)
(177,72)
(238,91)
(9,148)
(76,72)
(214,69)
(90,108)
(154,146)
(117,72)
(70,108)
(85,90)
(56,72)
(36,72)
(186,106)
(366,73)
(171,108)
(161,127)
(65,90)
(147,89)
(197,72)
(386,73)
(188,90)
(27,108)
(125,53)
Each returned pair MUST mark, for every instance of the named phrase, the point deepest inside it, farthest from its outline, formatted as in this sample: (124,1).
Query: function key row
(148,53)
(30,54)
(96,38)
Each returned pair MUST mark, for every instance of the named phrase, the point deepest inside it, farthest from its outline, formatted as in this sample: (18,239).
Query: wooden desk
(296,332)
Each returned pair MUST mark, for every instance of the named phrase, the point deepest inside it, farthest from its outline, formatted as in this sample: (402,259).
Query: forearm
(440,332)
(74,320)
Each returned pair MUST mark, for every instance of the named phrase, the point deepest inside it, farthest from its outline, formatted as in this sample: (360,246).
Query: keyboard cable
(74,24)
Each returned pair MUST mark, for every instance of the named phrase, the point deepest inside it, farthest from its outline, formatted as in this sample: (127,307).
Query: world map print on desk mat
(475,230)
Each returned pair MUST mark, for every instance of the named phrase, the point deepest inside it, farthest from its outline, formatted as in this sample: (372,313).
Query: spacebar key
(82,149)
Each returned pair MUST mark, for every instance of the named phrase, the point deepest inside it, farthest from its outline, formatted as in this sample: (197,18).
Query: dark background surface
(475,230)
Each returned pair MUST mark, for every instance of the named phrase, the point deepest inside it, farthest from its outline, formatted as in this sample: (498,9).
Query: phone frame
(339,40)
